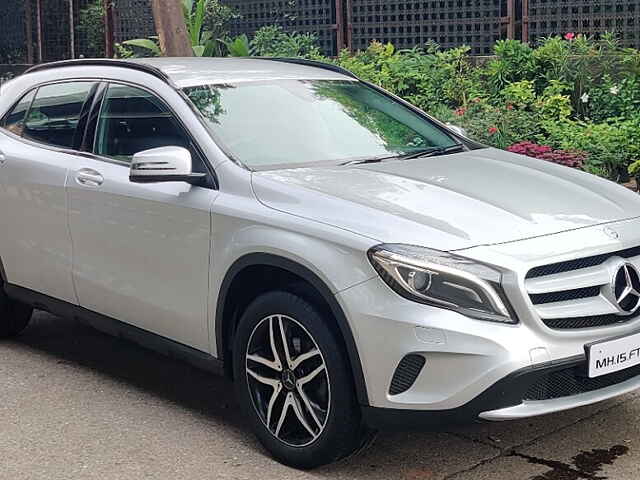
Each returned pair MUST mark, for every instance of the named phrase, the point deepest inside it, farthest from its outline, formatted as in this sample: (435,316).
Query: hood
(449,202)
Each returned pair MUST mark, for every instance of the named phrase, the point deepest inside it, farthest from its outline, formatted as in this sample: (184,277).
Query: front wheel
(293,382)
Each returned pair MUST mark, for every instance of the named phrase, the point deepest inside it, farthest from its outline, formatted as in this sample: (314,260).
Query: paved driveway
(77,404)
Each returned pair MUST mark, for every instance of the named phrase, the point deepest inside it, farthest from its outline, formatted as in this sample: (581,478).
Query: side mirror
(459,130)
(164,164)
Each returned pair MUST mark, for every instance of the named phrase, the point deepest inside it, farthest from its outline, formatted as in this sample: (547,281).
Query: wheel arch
(225,319)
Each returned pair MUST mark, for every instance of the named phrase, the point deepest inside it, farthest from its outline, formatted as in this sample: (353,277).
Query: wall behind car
(32,31)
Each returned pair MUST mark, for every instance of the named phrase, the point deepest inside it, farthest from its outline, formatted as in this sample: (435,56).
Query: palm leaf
(238,47)
(198,19)
(144,43)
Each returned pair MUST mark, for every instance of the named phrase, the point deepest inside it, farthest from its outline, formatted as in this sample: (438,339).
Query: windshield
(288,123)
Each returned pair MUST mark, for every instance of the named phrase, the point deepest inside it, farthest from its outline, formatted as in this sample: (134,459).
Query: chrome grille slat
(583,307)
(557,282)
(563,295)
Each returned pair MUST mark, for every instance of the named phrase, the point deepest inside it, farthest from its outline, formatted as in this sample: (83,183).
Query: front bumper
(510,397)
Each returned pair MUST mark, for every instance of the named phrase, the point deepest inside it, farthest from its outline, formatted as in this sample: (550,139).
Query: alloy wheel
(288,380)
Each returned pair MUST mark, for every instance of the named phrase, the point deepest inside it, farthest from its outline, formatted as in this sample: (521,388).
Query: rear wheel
(293,382)
(14,316)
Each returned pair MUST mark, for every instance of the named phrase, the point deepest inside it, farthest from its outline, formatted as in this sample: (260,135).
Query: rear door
(39,140)
(140,251)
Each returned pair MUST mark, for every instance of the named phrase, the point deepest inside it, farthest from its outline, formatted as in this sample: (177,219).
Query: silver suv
(351,263)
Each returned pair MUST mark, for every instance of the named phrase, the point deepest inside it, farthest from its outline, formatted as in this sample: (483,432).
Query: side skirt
(116,328)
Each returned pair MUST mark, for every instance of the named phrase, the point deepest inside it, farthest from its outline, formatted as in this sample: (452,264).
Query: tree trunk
(171,28)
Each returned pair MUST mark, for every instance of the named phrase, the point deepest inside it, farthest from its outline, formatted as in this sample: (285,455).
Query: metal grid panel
(314,16)
(574,381)
(450,23)
(593,17)
(56,32)
(132,19)
(12,26)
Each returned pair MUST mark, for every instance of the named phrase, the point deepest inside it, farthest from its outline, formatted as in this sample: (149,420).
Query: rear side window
(55,113)
(14,122)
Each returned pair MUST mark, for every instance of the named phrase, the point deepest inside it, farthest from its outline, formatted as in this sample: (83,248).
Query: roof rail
(311,63)
(101,62)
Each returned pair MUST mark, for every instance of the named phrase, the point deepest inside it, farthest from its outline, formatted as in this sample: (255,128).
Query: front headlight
(444,280)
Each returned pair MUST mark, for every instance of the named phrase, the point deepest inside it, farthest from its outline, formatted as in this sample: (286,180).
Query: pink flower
(493,130)
(569,36)
(460,111)
(569,158)
(509,107)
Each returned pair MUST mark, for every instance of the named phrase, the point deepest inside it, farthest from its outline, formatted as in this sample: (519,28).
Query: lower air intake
(406,373)
(574,381)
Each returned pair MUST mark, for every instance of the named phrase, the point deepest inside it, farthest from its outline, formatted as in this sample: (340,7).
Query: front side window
(132,120)
(14,121)
(55,113)
(284,123)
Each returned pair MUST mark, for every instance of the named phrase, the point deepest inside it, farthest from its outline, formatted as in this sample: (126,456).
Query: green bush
(273,41)
(514,62)
(611,146)
(428,78)
(498,126)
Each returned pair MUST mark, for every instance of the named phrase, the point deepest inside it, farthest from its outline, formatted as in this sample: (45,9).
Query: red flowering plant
(569,36)
(574,159)
(495,125)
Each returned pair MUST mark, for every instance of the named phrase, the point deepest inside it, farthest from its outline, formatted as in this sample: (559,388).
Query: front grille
(406,373)
(580,263)
(573,381)
(578,293)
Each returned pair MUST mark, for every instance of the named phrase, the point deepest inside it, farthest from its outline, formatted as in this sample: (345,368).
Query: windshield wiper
(370,160)
(425,152)
(433,151)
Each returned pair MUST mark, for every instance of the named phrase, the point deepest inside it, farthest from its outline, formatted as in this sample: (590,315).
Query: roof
(192,71)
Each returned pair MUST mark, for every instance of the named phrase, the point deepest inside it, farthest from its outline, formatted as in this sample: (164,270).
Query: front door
(140,251)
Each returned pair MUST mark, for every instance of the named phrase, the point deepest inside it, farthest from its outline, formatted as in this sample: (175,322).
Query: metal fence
(12,28)
(132,19)
(450,23)
(545,18)
(44,30)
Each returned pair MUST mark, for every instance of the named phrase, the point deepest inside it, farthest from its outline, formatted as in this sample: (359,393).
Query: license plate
(613,355)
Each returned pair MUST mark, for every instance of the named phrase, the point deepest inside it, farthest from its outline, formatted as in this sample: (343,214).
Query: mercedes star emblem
(626,288)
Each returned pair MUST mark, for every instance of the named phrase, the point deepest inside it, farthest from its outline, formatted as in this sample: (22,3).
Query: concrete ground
(77,404)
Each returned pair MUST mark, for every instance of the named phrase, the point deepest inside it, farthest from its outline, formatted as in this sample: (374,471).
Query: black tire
(14,316)
(342,432)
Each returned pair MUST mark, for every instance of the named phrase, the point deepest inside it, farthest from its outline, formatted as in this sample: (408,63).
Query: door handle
(89,177)
(3,159)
